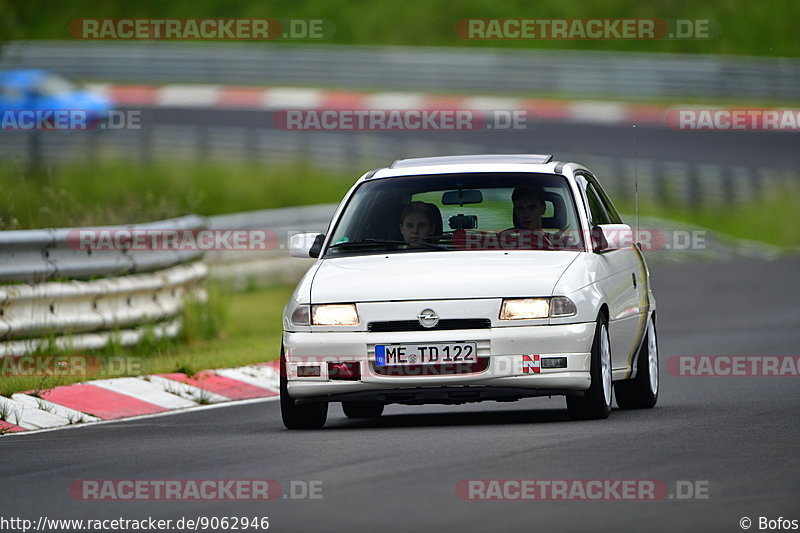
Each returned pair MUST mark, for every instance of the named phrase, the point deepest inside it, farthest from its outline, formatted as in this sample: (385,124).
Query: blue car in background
(34,89)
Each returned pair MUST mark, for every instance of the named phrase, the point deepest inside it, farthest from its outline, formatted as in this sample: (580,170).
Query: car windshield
(445,212)
(56,85)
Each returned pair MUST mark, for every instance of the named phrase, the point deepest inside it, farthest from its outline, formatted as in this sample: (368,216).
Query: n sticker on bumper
(531,364)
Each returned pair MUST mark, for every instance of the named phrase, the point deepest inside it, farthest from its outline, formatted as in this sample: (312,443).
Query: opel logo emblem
(428,318)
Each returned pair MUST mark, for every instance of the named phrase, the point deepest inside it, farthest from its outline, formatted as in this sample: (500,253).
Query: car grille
(444,324)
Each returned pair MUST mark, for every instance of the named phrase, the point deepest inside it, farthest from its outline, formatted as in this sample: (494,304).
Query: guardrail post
(34,151)
(202,146)
(92,147)
(622,183)
(756,183)
(661,180)
(251,139)
(694,186)
(146,146)
(728,190)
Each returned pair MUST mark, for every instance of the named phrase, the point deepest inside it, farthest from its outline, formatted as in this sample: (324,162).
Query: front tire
(595,404)
(362,409)
(299,416)
(641,392)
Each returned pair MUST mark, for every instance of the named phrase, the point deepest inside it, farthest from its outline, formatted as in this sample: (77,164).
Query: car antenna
(636,186)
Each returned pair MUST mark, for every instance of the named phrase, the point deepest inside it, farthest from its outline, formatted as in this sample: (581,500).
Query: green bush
(750,28)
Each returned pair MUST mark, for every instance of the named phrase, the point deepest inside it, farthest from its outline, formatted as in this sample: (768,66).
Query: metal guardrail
(247,268)
(564,72)
(105,304)
(39,255)
(139,292)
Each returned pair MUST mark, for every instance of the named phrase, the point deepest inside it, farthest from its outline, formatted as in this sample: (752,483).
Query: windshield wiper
(377,242)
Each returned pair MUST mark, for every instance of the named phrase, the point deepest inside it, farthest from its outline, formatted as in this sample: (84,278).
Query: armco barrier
(252,267)
(52,295)
(40,255)
(581,73)
(104,304)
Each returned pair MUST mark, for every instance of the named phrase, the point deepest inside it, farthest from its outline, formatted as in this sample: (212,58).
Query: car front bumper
(503,378)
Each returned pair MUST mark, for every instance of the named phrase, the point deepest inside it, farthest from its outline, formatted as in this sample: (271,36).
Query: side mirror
(608,237)
(306,244)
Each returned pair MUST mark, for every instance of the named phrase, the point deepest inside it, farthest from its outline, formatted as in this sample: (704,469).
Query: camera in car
(460,221)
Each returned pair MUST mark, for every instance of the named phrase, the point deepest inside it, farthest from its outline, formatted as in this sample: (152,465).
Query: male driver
(527,232)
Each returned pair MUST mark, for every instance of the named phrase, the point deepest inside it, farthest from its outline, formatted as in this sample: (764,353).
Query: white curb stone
(184,390)
(252,375)
(145,391)
(71,416)
(29,416)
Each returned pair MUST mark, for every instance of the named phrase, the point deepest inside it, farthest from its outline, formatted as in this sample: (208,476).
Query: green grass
(750,28)
(771,219)
(249,333)
(234,329)
(114,192)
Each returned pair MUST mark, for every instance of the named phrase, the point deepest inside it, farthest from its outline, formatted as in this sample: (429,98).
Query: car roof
(460,164)
(22,77)
(473,159)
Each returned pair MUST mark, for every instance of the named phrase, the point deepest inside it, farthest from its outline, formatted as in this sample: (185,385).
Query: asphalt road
(749,149)
(738,435)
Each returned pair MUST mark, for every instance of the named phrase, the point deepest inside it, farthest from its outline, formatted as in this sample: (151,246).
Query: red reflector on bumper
(349,370)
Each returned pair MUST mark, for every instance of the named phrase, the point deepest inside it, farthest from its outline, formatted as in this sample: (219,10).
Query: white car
(469,278)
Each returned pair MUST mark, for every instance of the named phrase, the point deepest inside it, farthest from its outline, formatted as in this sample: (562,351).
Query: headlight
(525,309)
(532,308)
(301,316)
(334,315)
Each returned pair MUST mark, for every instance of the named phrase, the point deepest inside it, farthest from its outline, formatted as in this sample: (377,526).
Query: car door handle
(633,275)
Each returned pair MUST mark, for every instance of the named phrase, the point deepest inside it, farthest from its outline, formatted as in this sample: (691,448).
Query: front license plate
(425,354)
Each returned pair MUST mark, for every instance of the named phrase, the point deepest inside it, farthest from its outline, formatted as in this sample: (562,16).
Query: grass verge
(118,192)
(751,28)
(232,329)
(771,219)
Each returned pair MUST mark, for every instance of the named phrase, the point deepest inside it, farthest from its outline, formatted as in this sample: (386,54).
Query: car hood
(439,275)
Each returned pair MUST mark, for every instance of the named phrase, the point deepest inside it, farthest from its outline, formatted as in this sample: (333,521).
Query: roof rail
(536,159)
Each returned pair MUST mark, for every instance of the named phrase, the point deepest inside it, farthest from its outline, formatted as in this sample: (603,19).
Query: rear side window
(613,216)
(597,211)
